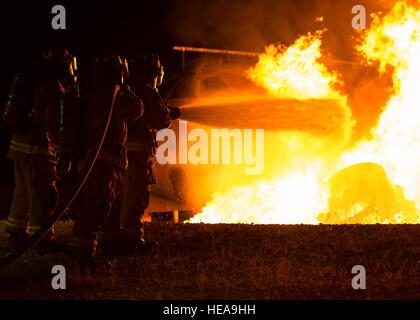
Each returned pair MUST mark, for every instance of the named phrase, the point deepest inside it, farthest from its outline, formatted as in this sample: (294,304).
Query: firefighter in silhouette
(102,189)
(146,77)
(40,110)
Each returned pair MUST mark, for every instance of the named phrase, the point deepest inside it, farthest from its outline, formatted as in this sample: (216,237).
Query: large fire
(395,41)
(294,72)
(379,182)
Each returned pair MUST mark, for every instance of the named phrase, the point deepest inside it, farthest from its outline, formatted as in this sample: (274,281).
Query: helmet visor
(125,69)
(73,66)
(160,76)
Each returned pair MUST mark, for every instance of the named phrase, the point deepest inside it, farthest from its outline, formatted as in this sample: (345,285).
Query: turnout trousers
(100,194)
(124,221)
(34,196)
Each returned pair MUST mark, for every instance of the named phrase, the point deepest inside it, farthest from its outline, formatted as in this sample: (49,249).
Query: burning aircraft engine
(362,193)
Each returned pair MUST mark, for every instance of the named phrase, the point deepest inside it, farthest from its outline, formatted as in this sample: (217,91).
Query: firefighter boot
(49,244)
(86,263)
(138,244)
(111,248)
(16,240)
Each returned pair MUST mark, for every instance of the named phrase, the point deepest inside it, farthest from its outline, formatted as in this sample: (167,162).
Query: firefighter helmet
(149,67)
(59,62)
(112,67)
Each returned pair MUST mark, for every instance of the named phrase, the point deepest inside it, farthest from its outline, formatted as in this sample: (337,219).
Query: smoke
(252,25)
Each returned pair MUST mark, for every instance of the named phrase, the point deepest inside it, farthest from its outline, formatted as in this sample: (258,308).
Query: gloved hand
(125,88)
(64,164)
(24,126)
(74,91)
(174,112)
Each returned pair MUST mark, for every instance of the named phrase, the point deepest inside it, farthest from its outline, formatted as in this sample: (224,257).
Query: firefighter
(35,112)
(147,74)
(103,187)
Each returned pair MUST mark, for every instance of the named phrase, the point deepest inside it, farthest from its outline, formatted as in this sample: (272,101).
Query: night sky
(92,26)
(129,27)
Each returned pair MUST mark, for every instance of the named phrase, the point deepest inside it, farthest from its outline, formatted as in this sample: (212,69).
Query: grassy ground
(201,261)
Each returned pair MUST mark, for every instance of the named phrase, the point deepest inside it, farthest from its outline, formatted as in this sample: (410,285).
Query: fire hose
(60,210)
(326,117)
(184,49)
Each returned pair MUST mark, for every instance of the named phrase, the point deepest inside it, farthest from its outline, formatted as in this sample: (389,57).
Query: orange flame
(297,194)
(300,192)
(394,41)
(295,72)
(294,198)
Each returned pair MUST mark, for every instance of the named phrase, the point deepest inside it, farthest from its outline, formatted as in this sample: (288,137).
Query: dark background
(92,26)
